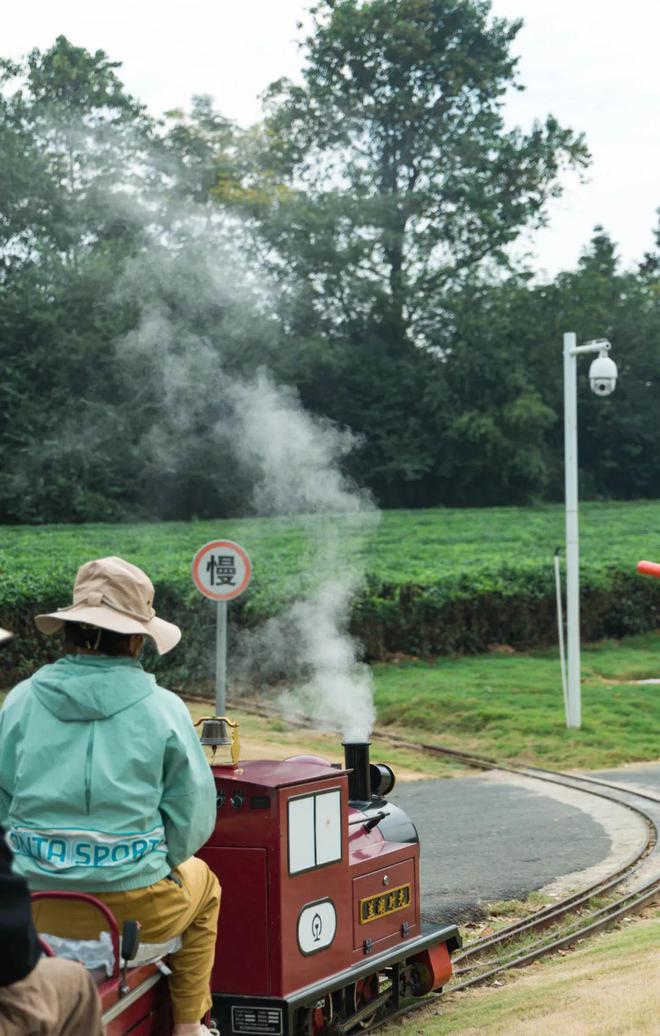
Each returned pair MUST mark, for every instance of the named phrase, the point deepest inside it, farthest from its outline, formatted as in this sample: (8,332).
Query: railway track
(487,958)
(552,928)
(629,889)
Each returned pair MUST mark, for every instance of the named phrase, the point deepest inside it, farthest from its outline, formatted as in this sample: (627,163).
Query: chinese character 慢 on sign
(222,570)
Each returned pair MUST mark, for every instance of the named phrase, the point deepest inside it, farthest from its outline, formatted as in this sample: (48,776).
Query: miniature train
(320,931)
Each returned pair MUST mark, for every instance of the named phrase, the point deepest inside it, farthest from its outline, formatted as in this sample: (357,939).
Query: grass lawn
(506,706)
(609,986)
(510,706)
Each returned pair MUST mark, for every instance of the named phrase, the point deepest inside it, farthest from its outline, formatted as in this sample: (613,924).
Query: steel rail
(599,782)
(539,920)
(605,916)
(596,920)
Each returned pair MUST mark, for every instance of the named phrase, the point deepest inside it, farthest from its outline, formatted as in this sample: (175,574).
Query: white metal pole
(574,717)
(560,629)
(221,659)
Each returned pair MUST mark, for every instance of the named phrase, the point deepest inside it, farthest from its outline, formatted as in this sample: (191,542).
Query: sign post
(221,658)
(221,571)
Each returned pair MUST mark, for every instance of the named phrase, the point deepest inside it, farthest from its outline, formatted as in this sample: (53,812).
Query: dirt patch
(262,738)
(268,748)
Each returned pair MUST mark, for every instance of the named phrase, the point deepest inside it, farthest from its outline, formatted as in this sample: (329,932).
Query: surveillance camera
(603,375)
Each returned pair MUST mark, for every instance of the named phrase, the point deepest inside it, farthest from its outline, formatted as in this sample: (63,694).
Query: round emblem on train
(317,924)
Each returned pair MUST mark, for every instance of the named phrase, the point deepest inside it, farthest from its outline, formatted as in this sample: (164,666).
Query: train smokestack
(356,758)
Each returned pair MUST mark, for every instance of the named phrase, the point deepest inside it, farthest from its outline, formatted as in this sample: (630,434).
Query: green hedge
(517,609)
(438,582)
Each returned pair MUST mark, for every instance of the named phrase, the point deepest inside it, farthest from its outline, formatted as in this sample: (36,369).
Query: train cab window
(302,850)
(314,830)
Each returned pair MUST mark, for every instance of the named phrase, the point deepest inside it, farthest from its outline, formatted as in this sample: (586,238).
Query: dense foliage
(355,245)
(437,582)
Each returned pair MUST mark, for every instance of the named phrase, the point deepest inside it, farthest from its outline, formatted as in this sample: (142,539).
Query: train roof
(277,773)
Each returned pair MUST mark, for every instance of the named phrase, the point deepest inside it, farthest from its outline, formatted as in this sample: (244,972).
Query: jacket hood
(80,688)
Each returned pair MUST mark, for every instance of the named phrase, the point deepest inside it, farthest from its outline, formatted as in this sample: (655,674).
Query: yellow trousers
(187,906)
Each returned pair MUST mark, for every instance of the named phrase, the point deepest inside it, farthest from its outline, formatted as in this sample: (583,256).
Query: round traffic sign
(221,570)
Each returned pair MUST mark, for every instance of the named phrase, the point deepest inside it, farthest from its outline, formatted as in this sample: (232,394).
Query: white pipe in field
(560,628)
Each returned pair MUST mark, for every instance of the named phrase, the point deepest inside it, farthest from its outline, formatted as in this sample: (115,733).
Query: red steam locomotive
(320,931)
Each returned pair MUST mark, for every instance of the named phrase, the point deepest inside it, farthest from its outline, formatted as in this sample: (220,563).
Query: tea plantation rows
(436,581)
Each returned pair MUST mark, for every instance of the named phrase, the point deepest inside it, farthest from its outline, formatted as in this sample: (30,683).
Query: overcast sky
(592,63)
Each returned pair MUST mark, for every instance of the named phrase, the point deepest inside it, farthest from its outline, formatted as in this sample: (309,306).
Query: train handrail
(96,904)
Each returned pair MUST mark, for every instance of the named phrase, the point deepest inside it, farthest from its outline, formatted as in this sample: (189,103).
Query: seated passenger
(105,788)
(37,994)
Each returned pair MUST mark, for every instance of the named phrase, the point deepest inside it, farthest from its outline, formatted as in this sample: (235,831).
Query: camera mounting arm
(598,345)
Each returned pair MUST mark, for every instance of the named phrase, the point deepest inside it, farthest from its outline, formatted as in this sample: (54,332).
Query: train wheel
(363,991)
(316,1021)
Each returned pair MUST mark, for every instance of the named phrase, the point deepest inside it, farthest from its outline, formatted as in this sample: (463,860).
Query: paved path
(498,836)
(643,776)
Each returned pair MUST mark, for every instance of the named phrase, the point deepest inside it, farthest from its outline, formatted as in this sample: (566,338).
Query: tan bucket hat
(115,595)
(5,635)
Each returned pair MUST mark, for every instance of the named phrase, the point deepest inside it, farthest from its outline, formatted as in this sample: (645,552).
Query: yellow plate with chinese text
(374,907)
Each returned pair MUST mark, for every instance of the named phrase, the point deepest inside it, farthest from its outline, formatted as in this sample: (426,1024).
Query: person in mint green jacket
(104,786)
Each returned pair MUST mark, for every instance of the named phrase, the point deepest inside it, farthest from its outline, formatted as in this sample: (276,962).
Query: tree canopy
(355,244)
(402,176)
(398,184)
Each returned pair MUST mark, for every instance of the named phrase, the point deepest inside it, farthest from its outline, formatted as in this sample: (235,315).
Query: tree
(82,136)
(381,194)
(393,179)
(619,437)
(495,449)
(506,348)
(109,241)
(76,149)
(402,174)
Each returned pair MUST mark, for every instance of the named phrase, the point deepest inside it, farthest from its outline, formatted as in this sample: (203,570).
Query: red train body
(320,930)
(316,900)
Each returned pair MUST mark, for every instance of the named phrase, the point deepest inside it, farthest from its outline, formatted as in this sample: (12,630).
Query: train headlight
(382,779)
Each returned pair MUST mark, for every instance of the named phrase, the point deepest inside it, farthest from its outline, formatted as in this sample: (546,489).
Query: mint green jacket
(104,785)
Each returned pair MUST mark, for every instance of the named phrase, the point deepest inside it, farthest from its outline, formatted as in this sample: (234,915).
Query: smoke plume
(206,411)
